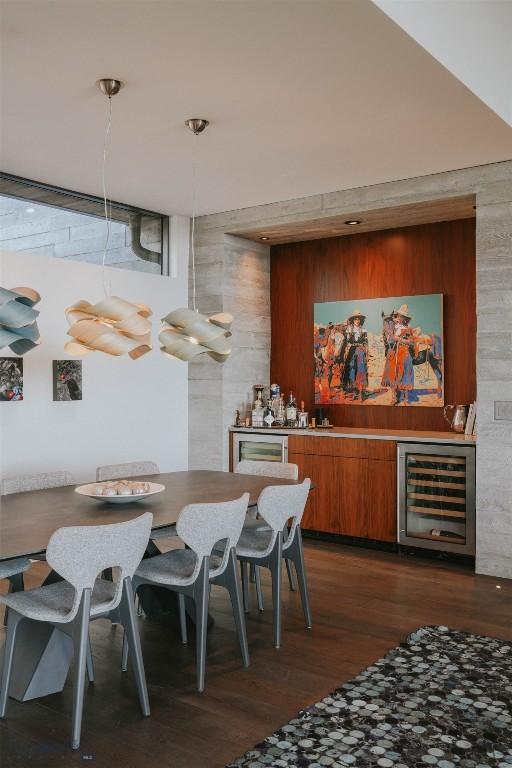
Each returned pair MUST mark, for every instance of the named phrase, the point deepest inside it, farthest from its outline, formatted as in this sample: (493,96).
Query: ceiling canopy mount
(197,124)
(109,86)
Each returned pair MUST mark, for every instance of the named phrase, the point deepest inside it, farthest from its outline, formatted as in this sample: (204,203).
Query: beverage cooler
(259,447)
(436,497)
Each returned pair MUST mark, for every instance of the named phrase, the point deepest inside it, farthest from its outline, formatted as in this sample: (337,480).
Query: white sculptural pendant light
(18,319)
(113,325)
(186,333)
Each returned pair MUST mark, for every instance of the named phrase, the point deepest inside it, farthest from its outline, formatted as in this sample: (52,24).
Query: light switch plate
(503,410)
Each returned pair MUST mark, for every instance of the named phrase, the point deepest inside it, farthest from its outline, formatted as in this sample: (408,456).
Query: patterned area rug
(440,699)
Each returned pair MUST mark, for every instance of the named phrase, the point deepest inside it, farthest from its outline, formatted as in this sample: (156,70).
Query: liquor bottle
(280,412)
(291,412)
(302,417)
(268,417)
(258,410)
(275,396)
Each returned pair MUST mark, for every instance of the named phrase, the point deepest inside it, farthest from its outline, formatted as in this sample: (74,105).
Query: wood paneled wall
(430,258)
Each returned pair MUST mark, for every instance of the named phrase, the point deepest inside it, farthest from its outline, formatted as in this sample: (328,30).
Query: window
(48,221)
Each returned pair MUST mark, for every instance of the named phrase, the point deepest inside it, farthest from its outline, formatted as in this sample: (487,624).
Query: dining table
(28,520)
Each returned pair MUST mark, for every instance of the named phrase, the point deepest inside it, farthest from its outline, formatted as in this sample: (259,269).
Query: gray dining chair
(79,554)
(267,547)
(37,482)
(286,471)
(135,469)
(189,572)
(14,569)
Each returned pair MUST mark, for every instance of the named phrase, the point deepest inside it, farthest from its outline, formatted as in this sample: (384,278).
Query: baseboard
(390,546)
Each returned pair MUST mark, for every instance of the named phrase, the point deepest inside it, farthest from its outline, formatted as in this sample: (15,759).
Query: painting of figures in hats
(67,380)
(380,351)
(11,378)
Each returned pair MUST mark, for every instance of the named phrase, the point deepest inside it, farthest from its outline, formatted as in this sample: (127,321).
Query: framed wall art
(67,380)
(11,379)
(385,351)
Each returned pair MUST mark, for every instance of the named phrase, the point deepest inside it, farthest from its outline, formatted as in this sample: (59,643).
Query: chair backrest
(23,483)
(130,469)
(80,553)
(268,468)
(201,526)
(278,503)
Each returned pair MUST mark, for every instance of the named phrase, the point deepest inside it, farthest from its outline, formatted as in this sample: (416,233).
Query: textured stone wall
(232,276)
(494,376)
(225,283)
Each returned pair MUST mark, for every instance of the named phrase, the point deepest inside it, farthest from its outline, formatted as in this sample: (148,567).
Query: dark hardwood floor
(363,602)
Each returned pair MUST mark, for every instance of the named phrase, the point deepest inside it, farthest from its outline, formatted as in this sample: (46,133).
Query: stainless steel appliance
(259,446)
(436,497)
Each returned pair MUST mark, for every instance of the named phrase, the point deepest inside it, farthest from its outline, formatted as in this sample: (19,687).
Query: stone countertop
(400,435)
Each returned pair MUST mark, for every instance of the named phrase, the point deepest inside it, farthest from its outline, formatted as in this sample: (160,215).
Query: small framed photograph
(11,379)
(67,380)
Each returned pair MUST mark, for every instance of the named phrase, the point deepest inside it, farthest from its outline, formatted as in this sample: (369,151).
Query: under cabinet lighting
(351,222)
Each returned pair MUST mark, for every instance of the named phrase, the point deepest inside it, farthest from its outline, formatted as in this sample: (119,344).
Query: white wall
(470,39)
(131,409)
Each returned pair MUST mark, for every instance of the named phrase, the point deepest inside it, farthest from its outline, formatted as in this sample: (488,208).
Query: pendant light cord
(193,232)
(107,205)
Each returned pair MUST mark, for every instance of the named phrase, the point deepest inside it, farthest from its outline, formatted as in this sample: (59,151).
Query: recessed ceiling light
(264,237)
(30,210)
(351,222)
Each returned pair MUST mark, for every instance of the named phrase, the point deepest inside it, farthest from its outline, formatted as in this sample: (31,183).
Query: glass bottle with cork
(291,412)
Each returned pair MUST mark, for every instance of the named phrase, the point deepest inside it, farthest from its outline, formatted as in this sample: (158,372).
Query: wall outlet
(503,410)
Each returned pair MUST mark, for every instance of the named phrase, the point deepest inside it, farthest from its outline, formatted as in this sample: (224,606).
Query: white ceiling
(304,97)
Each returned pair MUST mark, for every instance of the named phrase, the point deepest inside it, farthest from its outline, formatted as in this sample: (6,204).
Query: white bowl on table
(121,497)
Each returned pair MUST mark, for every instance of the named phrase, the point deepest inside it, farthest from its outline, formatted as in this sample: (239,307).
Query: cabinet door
(381,500)
(321,511)
(351,476)
(352,496)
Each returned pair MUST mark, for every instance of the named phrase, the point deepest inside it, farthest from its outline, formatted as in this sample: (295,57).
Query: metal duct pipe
(146,254)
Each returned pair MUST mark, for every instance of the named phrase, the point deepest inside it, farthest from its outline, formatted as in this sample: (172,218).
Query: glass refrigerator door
(436,498)
(260,451)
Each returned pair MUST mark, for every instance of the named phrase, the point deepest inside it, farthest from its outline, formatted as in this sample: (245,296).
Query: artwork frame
(11,379)
(67,380)
(384,351)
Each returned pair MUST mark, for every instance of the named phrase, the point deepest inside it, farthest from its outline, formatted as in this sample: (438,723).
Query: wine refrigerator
(260,446)
(436,497)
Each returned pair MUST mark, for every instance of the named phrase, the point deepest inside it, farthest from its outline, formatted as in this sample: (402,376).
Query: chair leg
(80,642)
(183,618)
(291,578)
(16,584)
(124,654)
(233,587)
(89,661)
(201,597)
(259,593)
(275,569)
(297,555)
(252,573)
(13,620)
(132,640)
(245,584)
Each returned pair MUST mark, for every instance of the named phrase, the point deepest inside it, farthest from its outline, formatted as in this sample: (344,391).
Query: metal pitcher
(457,418)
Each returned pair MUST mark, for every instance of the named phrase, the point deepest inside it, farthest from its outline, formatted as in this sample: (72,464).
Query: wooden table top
(27,520)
